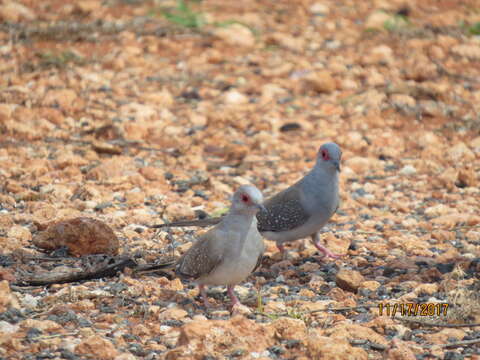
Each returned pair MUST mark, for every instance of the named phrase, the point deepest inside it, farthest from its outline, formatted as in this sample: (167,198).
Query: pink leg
(281,248)
(231,293)
(203,293)
(326,253)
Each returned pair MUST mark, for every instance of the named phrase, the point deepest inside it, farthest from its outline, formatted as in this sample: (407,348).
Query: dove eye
(245,198)
(324,155)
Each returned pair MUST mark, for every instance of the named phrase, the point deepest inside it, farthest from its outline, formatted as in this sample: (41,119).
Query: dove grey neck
(239,223)
(321,184)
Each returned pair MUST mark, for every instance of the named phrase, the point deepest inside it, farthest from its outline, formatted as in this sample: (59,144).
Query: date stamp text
(413,309)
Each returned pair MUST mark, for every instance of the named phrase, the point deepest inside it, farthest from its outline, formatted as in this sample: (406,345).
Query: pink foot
(326,253)
(281,248)
(203,293)
(233,298)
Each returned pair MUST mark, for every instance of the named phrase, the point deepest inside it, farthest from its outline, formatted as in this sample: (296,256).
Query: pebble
(236,35)
(319,8)
(408,170)
(234,97)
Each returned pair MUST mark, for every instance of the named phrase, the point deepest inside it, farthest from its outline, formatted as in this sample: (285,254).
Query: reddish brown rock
(370,285)
(43,325)
(173,313)
(7,299)
(66,99)
(354,331)
(289,329)
(466,177)
(13,11)
(286,41)
(349,280)
(97,347)
(152,173)
(217,338)
(442,336)
(400,351)
(322,347)
(6,274)
(236,35)
(321,82)
(113,169)
(82,236)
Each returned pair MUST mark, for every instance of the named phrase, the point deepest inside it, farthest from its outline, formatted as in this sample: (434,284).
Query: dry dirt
(113,110)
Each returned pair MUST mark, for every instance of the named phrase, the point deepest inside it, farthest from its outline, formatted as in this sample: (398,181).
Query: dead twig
(347,308)
(46,337)
(77,31)
(107,269)
(444,71)
(432,324)
(461,343)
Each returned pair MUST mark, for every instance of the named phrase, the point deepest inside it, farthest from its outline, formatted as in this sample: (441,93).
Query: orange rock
(43,325)
(177,210)
(336,244)
(11,11)
(7,299)
(349,280)
(321,82)
(288,328)
(152,173)
(466,177)
(98,347)
(81,236)
(338,294)
(370,285)
(400,351)
(358,164)
(6,274)
(355,331)
(199,337)
(442,336)
(135,197)
(20,233)
(236,35)
(141,330)
(286,41)
(460,153)
(173,313)
(322,347)
(112,168)
(66,99)
(51,114)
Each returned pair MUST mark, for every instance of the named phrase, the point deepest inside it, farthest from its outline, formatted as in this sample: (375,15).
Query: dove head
(329,155)
(248,199)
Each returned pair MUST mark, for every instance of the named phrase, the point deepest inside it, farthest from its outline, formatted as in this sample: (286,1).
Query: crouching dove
(300,210)
(229,252)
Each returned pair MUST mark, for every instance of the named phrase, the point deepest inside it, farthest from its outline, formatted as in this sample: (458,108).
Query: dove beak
(261,207)
(337,165)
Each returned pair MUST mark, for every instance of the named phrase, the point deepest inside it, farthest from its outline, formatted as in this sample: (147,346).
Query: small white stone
(7,328)
(408,170)
(319,9)
(90,204)
(258,355)
(242,291)
(30,301)
(236,35)
(234,97)
(165,328)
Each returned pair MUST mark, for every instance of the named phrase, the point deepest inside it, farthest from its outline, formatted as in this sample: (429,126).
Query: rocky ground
(138,112)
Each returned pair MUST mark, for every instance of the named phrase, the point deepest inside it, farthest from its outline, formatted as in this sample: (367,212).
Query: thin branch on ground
(461,343)
(433,324)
